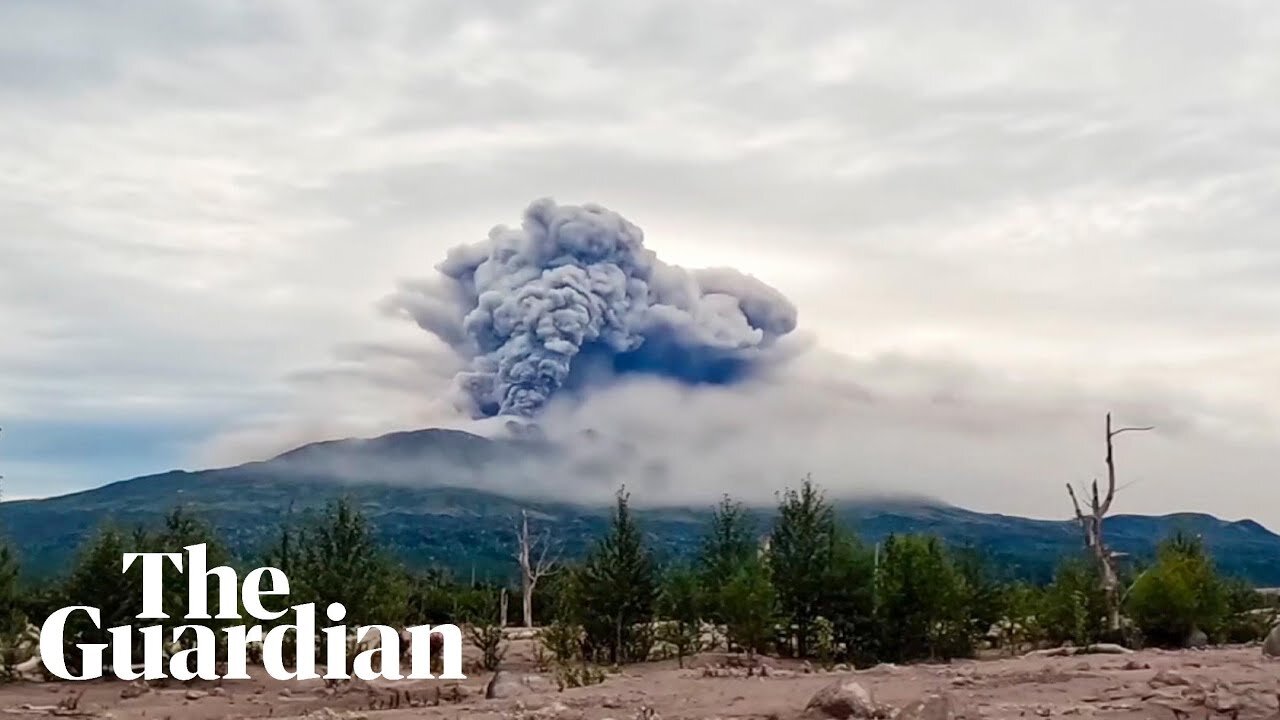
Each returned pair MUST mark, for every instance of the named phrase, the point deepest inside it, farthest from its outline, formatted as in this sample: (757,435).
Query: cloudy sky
(998,220)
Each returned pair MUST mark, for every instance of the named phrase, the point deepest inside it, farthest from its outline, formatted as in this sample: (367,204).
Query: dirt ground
(1213,683)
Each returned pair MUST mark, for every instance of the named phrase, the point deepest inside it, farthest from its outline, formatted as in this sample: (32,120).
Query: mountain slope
(418,488)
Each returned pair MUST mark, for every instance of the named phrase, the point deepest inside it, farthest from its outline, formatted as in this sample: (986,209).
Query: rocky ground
(1212,683)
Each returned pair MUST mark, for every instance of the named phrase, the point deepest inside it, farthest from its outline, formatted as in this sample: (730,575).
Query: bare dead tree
(1091,525)
(534,553)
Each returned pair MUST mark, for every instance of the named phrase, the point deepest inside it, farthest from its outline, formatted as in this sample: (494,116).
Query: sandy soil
(1215,683)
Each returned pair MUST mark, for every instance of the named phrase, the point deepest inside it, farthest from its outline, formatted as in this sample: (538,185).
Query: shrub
(1073,607)
(563,640)
(1020,624)
(824,642)
(1248,617)
(491,643)
(572,676)
(1180,594)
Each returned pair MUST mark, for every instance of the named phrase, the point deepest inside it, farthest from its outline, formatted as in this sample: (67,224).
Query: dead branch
(1111,462)
(1091,523)
(538,557)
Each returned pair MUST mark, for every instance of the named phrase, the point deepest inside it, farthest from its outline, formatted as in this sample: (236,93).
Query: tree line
(805,586)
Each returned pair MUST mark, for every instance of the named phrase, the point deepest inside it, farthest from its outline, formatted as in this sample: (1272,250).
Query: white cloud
(199,201)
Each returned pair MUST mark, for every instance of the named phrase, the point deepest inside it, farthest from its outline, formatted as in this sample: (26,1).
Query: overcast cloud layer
(996,220)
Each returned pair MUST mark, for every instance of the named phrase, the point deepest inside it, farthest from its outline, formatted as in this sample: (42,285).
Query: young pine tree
(680,607)
(95,580)
(800,551)
(750,607)
(615,591)
(848,599)
(182,529)
(730,544)
(922,608)
(336,559)
(12,617)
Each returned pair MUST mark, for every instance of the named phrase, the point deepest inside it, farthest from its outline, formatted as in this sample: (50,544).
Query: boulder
(508,685)
(844,699)
(1223,702)
(936,706)
(1196,639)
(504,685)
(1168,678)
(1271,646)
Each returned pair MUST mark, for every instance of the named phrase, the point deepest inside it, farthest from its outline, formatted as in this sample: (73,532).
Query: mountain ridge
(420,491)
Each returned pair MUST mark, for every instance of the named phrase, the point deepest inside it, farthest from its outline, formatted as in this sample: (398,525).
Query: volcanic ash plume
(572,298)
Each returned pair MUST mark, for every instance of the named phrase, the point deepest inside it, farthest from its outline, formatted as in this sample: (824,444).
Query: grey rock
(1196,639)
(844,699)
(1271,646)
(937,706)
(505,684)
(1167,678)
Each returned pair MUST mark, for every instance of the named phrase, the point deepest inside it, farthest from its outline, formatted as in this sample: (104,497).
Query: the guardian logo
(200,659)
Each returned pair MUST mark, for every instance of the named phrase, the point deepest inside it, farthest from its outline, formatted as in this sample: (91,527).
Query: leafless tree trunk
(535,564)
(502,608)
(1091,524)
